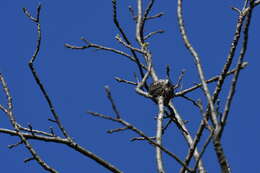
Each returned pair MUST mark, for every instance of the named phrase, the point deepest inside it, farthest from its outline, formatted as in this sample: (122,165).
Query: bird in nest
(162,87)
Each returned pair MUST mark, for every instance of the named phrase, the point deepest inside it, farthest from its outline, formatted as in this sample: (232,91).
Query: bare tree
(161,91)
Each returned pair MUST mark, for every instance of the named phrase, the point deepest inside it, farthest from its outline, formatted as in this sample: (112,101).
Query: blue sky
(75,81)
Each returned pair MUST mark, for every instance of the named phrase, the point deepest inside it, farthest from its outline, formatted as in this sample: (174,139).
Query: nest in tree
(162,87)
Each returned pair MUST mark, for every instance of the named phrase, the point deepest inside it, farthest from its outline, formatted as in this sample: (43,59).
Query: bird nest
(162,87)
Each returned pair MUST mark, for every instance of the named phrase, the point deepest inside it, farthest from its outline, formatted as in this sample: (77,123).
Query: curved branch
(197,62)
(35,75)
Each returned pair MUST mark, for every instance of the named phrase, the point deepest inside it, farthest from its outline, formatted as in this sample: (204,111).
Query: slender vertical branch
(188,138)
(197,62)
(203,150)
(229,59)
(139,35)
(159,160)
(194,143)
(34,73)
(114,3)
(139,22)
(238,68)
(109,96)
(144,18)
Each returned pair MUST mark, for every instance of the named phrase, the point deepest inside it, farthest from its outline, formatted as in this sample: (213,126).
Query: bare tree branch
(162,91)
(197,62)
(15,125)
(238,68)
(138,63)
(71,143)
(67,142)
(213,79)
(186,134)
(35,75)
(142,134)
(159,129)
(100,47)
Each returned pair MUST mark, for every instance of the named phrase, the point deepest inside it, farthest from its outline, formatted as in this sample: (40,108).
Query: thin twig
(2,107)
(213,79)
(117,130)
(141,20)
(141,84)
(203,149)
(100,47)
(195,103)
(7,94)
(131,10)
(118,79)
(120,40)
(35,131)
(109,96)
(181,76)
(149,35)
(141,138)
(15,145)
(155,16)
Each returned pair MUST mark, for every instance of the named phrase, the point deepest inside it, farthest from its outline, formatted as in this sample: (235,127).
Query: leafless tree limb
(186,134)
(138,63)
(238,68)
(213,79)
(197,62)
(203,149)
(212,118)
(142,134)
(120,40)
(35,75)
(159,129)
(100,47)
(70,142)
(229,59)
(15,125)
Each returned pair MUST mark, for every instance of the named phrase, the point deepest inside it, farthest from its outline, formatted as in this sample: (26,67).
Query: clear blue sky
(75,81)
